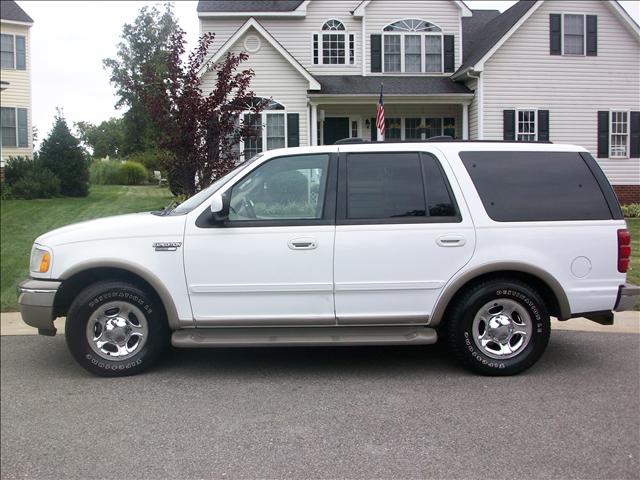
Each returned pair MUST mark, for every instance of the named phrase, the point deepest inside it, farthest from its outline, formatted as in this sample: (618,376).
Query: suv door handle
(451,240)
(303,244)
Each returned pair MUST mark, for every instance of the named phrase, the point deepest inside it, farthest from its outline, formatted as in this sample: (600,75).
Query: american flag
(380,116)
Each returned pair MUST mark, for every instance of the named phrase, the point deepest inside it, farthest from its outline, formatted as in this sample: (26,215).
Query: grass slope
(23,220)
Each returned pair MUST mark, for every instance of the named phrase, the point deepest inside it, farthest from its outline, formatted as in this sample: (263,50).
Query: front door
(335,128)
(400,236)
(271,262)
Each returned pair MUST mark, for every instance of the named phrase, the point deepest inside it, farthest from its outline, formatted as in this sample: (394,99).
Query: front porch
(416,108)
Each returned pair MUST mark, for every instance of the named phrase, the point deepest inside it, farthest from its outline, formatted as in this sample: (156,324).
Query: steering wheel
(246,209)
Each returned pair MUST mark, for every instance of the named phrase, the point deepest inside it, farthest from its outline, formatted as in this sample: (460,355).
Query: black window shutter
(374,130)
(293,129)
(509,124)
(543,125)
(634,129)
(376,53)
(449,53)
(592,35)
(603,134)
(315,49)
(555,34)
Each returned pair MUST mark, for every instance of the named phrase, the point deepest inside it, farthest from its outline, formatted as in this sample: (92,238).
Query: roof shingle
(393,85)
(248,5)
(10,10)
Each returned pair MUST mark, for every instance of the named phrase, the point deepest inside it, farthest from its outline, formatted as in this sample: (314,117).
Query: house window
(403,50)
(14,126)
(13,52)
(619,135)
(424,128)
(269,129)
(392,128)
(412,128)
(331,46)
(574,28)
(526,126)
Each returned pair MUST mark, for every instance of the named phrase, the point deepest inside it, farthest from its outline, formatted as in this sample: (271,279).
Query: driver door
(271,261)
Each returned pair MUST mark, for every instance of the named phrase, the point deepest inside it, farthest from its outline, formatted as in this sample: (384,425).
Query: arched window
(333,45)
(333,25)
(269,127)
(412,25)
(412,46)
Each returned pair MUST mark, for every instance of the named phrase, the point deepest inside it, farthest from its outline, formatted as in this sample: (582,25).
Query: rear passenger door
(402,232)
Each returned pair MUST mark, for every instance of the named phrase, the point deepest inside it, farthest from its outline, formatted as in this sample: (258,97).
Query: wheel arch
(80,276)
(546,284)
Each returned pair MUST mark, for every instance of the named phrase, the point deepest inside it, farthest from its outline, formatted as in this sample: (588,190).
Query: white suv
(353,244)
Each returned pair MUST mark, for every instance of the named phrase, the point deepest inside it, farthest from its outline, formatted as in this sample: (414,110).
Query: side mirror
(220,213)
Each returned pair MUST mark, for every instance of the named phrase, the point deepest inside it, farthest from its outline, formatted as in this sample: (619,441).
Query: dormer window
(334,45)
(412,46)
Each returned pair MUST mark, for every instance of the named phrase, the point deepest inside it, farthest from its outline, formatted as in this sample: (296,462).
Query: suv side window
(393,187)
(285,188)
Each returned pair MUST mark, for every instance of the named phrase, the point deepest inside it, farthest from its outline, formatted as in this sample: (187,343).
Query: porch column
(465,121)
(314,124)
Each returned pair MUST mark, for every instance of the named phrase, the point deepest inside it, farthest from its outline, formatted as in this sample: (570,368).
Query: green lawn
(23,220)
(633,275)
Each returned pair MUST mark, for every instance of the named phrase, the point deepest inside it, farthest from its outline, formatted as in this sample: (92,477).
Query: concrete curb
(625,322)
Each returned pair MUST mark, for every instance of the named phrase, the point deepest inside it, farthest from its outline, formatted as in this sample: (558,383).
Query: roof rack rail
(440,138)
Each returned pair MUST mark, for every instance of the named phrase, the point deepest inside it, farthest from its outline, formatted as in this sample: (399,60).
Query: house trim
(252,22)
(15,22)
(360,9)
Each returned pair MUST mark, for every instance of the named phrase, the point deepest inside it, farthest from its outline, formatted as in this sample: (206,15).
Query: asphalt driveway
(403,412)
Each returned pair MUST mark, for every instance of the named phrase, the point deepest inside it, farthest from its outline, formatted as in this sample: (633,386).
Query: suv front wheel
(499,327)
(115,329)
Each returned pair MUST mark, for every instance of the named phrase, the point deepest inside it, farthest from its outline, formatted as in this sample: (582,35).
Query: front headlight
(41,258)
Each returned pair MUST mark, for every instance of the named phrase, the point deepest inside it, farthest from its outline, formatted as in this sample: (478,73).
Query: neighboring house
(15,82)
(564,71)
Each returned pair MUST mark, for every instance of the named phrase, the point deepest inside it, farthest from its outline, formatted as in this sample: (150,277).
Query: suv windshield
(193,202)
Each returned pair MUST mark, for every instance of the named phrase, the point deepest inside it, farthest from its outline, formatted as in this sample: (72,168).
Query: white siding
(18,93)
(523,74)
(274,78)
(445,14)
(473,110)
(296,33)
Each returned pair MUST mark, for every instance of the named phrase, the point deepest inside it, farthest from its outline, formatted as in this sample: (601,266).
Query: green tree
(143,46)
(62,154)
(105,139)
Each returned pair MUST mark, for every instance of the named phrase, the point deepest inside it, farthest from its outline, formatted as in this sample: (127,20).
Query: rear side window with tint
(439,199)
(384,185)
(536,186)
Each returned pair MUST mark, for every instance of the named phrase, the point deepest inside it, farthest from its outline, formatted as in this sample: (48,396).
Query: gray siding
(522,74)
(473,110)
(275,78)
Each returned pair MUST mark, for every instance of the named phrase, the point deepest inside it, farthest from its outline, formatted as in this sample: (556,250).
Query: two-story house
(564,71)
(15,82)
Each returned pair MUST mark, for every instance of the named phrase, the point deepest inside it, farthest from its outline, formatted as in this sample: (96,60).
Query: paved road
(404,412)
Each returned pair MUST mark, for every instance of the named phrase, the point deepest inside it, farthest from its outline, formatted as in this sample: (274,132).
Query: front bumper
(35,298)
(627,297)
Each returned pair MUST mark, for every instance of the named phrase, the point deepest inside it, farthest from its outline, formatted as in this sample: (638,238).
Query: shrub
(38,182)
(16,168)
(151,159)
(105,172)
(133,173)
(629,211)
(62,154)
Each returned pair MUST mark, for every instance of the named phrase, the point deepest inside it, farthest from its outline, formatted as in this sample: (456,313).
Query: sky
(70,39)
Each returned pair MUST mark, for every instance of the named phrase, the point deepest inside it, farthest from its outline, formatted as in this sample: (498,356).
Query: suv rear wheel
(115,329)
(499,327)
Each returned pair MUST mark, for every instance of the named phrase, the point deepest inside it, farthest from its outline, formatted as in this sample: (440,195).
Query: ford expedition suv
(478,243)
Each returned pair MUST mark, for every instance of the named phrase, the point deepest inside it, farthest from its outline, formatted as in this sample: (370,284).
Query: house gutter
(480,97)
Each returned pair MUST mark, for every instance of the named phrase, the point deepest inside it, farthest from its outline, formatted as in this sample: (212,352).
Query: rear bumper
(627,297)
(35,298)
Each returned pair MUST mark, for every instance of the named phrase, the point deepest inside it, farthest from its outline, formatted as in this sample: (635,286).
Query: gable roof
(359,10)
(248,5)
(493,31)
(12,12)
(253,23)
(473,29)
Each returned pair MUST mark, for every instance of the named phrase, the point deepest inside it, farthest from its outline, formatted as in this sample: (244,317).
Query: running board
(302,336)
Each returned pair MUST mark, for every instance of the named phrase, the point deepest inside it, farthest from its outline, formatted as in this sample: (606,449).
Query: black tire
(91,300)
(459,326)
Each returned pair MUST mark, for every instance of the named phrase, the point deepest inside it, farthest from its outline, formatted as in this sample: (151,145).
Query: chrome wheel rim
(502,328)
(117,330)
